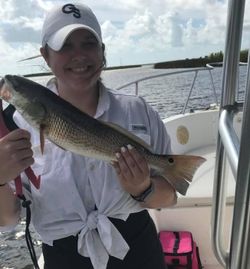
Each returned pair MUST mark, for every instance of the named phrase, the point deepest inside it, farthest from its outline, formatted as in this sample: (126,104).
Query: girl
(89,214)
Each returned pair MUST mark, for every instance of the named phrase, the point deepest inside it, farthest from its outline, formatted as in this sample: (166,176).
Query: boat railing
(220,64)
(234,149)
(136,82)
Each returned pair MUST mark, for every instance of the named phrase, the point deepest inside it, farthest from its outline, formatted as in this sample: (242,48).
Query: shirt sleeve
(10,228)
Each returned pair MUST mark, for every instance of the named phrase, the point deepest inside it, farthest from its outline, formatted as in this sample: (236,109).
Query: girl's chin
(80,81)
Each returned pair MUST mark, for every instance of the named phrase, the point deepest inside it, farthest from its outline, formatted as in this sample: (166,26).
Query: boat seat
(200,191)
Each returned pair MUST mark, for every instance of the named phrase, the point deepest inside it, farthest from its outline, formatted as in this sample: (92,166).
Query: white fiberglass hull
(196,134)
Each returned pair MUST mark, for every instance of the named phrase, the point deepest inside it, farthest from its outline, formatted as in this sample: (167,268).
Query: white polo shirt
(72,185)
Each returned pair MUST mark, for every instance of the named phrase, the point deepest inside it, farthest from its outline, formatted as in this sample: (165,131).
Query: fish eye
(171,160)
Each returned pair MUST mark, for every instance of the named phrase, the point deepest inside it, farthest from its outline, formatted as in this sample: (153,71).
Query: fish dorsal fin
(127,133)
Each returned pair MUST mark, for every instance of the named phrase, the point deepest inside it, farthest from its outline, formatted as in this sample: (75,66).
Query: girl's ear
(104,57)
(103,48)
(44,52)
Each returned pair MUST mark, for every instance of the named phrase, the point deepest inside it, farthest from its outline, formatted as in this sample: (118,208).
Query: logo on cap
(69,8)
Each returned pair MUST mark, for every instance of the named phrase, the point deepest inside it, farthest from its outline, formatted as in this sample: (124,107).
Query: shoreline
(215,58)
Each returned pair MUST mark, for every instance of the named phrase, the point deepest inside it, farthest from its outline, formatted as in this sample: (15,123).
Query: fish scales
(85,136)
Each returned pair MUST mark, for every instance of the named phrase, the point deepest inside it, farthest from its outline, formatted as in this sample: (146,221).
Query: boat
(195,132)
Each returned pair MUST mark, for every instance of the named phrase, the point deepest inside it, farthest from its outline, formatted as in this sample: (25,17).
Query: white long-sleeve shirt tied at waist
(100,236)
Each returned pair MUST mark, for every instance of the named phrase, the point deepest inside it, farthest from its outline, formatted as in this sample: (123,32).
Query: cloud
(187,26)
(6,10)
(170,30)
(10,55)
(18,24)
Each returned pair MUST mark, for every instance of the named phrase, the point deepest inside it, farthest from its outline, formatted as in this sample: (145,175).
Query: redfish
(75,131)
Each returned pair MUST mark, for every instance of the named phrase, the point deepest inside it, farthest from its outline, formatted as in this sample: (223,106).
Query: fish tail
(179,170)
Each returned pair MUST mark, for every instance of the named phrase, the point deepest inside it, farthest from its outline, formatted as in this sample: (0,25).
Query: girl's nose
(78,51)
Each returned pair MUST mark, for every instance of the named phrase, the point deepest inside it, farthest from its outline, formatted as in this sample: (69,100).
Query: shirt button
(92,167)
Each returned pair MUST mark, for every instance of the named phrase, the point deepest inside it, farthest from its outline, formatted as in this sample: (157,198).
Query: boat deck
(193,211)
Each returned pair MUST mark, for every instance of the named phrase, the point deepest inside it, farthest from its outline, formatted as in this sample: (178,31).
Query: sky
(134,31)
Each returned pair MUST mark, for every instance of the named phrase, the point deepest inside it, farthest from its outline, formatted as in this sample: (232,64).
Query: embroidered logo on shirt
(138,128)
(69,8)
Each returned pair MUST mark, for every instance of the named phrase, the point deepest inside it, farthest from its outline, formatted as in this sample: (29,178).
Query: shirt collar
(51,85)
(103,102)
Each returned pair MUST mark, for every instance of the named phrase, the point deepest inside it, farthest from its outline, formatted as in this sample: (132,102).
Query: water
(167,95)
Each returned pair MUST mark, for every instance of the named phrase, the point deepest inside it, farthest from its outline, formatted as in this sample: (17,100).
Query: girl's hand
(15,154)
(132,170)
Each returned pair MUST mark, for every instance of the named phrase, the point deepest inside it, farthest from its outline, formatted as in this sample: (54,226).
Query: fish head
(24,95)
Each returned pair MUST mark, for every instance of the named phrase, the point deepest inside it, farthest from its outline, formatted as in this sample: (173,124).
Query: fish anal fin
(42,138)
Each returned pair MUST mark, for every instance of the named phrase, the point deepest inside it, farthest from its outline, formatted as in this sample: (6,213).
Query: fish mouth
(5,91)
(1,82)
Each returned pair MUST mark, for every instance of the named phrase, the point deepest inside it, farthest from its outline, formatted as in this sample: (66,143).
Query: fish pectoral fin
(42,138)
(127,133)
(180,169)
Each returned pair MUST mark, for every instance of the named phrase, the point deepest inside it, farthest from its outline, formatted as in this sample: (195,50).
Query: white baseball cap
(61,21)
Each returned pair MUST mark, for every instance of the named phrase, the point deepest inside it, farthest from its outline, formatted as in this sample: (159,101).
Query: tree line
(199,62)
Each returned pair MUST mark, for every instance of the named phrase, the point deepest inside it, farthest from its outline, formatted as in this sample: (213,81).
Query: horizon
(134,31)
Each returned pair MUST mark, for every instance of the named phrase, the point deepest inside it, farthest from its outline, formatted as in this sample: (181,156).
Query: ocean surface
(166,94)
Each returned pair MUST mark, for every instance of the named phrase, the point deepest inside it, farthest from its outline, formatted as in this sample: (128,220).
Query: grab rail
(227,140)
(196,70)
(240,239)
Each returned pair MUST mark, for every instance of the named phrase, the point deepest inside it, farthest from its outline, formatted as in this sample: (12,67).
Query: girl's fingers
(131,164)
(135,162)
(22,154)
(18,134)
(116,167)
(21,144)
(26,162)
(132,170)
(140,161)
(125,170)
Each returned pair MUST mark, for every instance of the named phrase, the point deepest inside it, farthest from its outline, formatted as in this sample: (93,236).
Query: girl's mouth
(79,69)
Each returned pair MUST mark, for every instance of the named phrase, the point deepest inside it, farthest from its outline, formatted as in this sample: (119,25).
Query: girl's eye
(89,44)
(66,46)
(85,45)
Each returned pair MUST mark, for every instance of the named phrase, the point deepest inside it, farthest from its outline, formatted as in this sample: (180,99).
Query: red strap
(32,177)
(19,187)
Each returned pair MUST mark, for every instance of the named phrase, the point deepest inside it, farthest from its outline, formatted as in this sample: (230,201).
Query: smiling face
(77,65)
